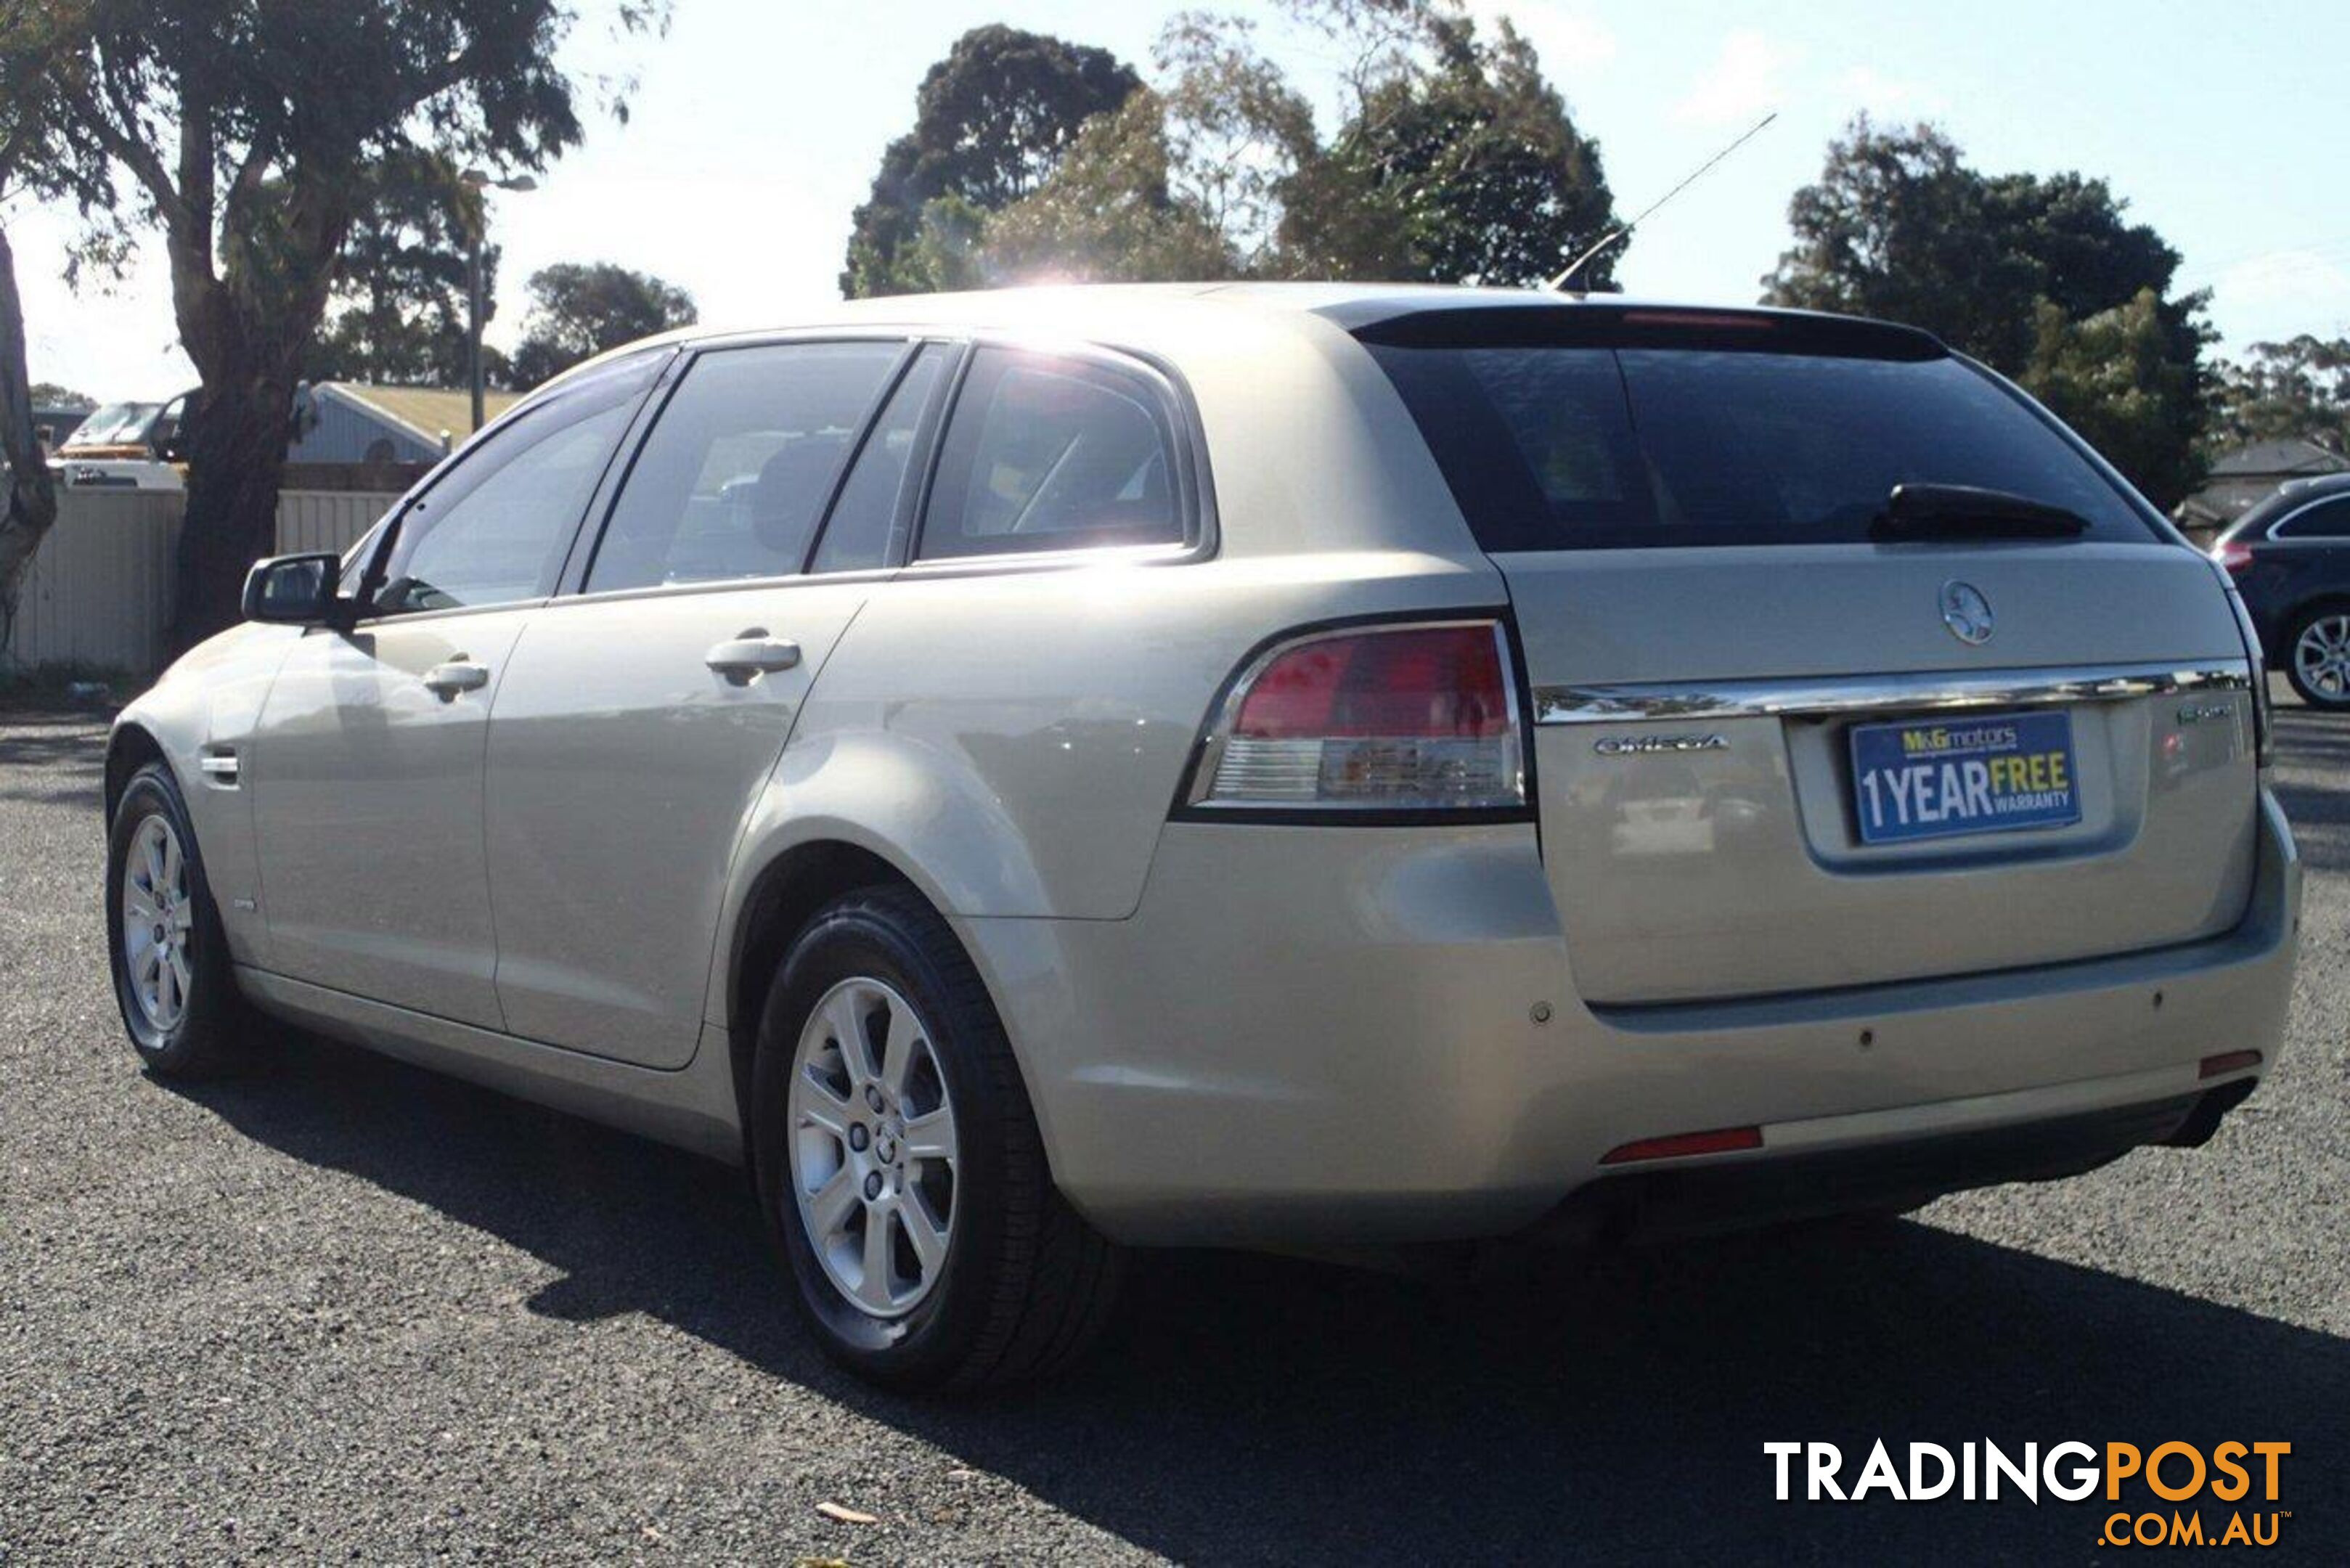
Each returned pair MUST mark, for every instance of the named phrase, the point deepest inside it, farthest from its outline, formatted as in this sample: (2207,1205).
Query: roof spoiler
(1587,326)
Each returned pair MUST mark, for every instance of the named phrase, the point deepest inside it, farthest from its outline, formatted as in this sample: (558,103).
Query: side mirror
(299,590)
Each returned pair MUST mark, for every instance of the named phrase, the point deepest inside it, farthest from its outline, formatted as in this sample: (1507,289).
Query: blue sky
(757,127)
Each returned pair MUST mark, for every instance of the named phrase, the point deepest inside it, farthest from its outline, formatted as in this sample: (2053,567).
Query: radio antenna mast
(1559,284)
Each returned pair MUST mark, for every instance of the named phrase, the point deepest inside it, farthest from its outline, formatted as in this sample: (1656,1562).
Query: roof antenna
(1559,284)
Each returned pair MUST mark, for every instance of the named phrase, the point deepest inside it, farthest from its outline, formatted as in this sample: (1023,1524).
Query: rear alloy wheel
(899,1163)
(2319,663)
(873,1148)
(172,974)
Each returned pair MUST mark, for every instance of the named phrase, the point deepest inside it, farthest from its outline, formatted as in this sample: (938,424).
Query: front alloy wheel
(172,978)
(157,916)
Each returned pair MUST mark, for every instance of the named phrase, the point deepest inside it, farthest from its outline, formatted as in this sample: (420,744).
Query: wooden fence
(100,591)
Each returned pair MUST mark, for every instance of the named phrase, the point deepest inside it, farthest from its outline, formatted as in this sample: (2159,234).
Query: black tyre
(2317,656)
(899,1163)
(172,977)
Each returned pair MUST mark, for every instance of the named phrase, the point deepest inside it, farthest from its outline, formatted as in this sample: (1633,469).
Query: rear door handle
(458,674)
(751,654)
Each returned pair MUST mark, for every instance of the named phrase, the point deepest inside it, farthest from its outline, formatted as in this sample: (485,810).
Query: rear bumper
(1320,1037)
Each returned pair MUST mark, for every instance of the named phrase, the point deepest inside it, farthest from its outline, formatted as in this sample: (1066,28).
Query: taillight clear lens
(1400,718)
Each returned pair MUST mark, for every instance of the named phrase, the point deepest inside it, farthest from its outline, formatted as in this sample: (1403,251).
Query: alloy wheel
(158,919)
(873,1147)
(2321,656)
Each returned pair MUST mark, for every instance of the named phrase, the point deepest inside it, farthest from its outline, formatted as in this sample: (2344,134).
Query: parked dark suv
(2290,556)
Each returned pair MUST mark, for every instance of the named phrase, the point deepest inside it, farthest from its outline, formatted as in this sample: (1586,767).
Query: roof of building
(2265,459)
(425,412)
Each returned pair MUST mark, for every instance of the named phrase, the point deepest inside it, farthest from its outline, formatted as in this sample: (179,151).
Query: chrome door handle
(744,657)
(445,680)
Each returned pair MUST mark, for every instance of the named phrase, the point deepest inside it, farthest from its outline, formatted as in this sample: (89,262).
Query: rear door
(640,718)
(1777,752)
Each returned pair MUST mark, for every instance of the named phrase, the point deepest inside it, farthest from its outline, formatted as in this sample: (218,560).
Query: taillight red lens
(1400,718)
(2232,556)
(1432,682)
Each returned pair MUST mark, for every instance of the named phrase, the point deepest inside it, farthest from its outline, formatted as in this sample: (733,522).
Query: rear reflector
(2229,1062)
(1413,718)
(1720,1141)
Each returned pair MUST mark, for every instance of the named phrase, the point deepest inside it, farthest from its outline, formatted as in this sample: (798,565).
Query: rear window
(1551,447)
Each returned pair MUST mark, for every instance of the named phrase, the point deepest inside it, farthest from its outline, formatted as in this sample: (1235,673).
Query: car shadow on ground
(1249,1409)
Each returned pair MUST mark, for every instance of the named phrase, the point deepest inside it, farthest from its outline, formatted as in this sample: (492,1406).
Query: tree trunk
(236,459)
(32,498)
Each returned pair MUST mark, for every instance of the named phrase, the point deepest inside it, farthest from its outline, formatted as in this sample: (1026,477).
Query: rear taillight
(1411,718)
(2232,558)
(2263,726)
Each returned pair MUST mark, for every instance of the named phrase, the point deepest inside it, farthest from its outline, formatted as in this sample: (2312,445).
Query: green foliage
(249,132)
(2041,277)
(50,395)
(1458,164)
(2283,391)
(2120,380)
(1107,215)
(991,123)
(397,316)
(580,310)
(1455,161)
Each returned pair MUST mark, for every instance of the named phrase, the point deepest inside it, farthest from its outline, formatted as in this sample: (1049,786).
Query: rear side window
(1549,447)
(1045,454)
(2330,520)
(877,496)
(736,475)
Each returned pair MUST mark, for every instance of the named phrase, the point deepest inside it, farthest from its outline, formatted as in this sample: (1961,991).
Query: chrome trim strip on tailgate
(1845,696)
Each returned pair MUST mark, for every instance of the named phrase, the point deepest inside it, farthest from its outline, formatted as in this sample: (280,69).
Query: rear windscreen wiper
(1915,512)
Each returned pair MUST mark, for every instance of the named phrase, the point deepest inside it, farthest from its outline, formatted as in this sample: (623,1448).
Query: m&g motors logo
(2236,1476)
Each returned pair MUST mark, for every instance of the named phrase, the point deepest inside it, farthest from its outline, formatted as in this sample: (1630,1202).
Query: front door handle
(744,657)
(458,674)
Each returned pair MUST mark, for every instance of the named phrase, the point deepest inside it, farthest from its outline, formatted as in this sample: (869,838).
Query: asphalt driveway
(348,1309)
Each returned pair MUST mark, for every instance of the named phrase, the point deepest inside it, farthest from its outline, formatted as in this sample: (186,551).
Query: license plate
(1938,778)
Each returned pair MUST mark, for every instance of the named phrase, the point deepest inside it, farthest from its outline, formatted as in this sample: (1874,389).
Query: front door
(367,764)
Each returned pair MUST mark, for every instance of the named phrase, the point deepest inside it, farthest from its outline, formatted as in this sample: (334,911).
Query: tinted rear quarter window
(2326,520)
(1550,446)
(1048,454)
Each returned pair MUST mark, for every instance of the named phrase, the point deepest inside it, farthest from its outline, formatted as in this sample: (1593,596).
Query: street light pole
(477,221)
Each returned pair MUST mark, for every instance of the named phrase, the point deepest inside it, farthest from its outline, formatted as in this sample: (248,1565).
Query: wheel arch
(131,747)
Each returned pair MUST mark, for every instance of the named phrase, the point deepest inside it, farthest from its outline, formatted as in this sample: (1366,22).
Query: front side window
(503,539)
(494,527)
(734,477)
(1045,454)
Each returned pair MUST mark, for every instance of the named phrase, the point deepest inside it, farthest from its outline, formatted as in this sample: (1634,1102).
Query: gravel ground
(346,1309)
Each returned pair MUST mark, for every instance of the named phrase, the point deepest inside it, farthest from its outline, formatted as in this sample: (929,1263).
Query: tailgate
(1704,820)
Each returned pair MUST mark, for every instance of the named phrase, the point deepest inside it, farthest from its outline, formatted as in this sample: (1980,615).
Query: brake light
(2264,724)
(1397,718)
(2233,558)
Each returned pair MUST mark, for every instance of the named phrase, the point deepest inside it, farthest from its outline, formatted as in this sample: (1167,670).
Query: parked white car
(1290,766)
